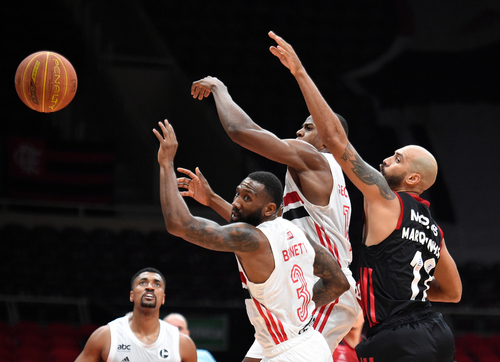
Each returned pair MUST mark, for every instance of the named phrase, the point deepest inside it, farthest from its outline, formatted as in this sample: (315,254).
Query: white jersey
(126,347)
(281,308)
(328,224)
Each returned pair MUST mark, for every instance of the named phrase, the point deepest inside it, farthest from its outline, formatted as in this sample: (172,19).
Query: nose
(300,133)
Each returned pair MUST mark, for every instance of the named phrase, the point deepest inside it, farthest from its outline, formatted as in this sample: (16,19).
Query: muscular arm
(245,132)
(246,241)
(382,204)
(97,347)
(332,283)
(447,285)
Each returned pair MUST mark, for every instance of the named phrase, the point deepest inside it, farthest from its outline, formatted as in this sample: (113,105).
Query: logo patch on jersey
(164,353)
(125,360)
(289,235)
(124,347)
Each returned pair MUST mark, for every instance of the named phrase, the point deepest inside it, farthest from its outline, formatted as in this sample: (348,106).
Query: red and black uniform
(393,283)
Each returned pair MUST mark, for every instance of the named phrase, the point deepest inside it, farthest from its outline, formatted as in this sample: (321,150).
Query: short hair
(272,185)
(148,270)
(343,122)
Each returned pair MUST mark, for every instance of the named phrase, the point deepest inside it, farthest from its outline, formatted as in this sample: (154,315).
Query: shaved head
(423,163)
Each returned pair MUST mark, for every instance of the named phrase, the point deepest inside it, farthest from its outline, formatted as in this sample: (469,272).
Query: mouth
(235,216)
(149,296)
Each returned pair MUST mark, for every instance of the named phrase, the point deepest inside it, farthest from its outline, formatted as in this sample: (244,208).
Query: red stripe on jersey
(400,220)
(326,242)
(367,296)
(291,198)
(243,279)
(327,315)
(277,332)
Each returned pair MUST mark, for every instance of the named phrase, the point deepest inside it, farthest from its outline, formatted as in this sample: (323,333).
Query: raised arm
(367,179)
(332,283)
(245,132)
(381,204)
(178,219)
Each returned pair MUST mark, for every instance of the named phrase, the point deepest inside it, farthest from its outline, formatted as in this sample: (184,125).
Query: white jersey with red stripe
(281,308)
(329,225)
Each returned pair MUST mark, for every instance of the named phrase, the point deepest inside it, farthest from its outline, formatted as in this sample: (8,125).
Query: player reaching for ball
(315,197)
(277,262)
(404,262)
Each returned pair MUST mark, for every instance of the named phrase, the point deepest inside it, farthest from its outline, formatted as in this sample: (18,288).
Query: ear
(270,209)
(163,300)
(413,179)
(131,296)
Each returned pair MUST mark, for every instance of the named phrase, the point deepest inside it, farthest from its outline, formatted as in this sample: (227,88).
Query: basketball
(46,81)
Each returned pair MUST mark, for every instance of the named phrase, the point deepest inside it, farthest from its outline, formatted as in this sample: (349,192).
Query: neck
(145,326)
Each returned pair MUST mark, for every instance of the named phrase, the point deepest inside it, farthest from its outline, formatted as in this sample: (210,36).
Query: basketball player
(140,335)
(404,263)
(315,199)
(179,321)
(276,260)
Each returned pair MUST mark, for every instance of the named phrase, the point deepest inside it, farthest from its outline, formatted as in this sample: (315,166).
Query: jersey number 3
(302,292)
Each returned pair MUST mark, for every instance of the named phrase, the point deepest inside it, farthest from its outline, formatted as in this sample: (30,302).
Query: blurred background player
(345,351)
(179,321)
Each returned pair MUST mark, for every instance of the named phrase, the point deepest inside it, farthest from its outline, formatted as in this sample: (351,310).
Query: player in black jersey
(404,261)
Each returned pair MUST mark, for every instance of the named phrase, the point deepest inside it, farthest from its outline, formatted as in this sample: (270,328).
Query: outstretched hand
(285,53)
(196,185)
(168,143)
(203,87)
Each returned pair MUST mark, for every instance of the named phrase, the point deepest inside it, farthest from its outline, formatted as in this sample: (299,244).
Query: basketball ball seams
(46,81)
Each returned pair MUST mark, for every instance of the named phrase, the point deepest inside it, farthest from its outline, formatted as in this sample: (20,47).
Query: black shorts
(426,339)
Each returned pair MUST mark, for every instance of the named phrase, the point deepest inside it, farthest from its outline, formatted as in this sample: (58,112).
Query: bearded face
(393,180)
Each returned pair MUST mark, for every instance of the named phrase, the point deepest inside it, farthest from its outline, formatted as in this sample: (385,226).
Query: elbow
(235,133)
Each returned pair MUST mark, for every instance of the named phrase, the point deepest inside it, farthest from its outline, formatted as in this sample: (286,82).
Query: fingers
(167,130)
(186,171)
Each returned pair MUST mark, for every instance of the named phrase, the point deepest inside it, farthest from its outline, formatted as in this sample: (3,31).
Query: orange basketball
(46,81)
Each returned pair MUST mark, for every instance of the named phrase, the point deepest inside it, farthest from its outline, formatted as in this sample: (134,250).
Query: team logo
(289,235)
(124,347)
(164,353)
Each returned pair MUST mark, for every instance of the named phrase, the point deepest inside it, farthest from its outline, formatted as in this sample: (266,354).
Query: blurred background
(79,200)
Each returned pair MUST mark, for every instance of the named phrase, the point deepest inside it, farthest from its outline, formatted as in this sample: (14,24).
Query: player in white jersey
(330,224)
(140,335)
(268,249)
(323,208)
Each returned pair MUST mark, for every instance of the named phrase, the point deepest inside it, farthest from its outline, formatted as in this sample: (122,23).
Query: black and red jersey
(395,274)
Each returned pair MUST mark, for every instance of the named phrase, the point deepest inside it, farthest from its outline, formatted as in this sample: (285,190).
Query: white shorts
(310,346)
(333,322)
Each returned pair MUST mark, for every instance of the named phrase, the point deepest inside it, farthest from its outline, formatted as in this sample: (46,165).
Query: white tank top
(281,308)
(328,224)
(126,347)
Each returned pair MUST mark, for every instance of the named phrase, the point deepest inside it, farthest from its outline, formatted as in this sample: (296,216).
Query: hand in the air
(203,87)
(196,185)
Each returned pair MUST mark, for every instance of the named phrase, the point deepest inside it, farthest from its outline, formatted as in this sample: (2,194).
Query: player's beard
(148,303)
(254,219)
(394,181)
